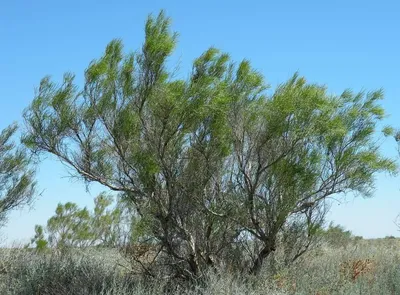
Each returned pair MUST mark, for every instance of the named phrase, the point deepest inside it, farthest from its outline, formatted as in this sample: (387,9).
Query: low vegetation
(361,267)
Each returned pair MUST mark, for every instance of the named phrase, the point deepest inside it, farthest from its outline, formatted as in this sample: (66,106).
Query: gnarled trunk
(258,262)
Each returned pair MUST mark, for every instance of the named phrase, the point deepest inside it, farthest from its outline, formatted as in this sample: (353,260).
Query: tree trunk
(193,265)
(264,253)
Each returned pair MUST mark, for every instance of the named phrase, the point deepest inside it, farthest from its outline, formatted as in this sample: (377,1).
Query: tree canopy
(212,163)
(17,185)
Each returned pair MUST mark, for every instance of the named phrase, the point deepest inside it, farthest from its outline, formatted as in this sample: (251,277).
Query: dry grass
(365,267)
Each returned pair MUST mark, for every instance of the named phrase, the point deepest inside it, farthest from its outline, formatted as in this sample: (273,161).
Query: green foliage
(75,227)
(39,239)
(211,162)
(17,185)
(69,226)
(337,236)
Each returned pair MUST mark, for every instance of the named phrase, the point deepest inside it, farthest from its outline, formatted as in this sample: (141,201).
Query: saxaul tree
(302,148)
(214,165)
(17,185)
(104,226)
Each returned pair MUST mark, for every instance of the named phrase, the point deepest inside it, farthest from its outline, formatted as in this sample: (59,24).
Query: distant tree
(75,227)
(337,235)
(358,238)
(213,164)
(69,227)
(39,239)
(17,185)
(109,225)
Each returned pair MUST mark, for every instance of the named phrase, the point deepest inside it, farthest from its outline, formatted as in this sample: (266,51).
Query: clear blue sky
(343,44)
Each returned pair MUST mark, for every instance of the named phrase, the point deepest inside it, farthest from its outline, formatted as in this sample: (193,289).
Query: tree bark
(264,253)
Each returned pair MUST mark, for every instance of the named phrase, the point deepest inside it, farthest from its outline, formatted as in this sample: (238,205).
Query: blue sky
(343,44)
